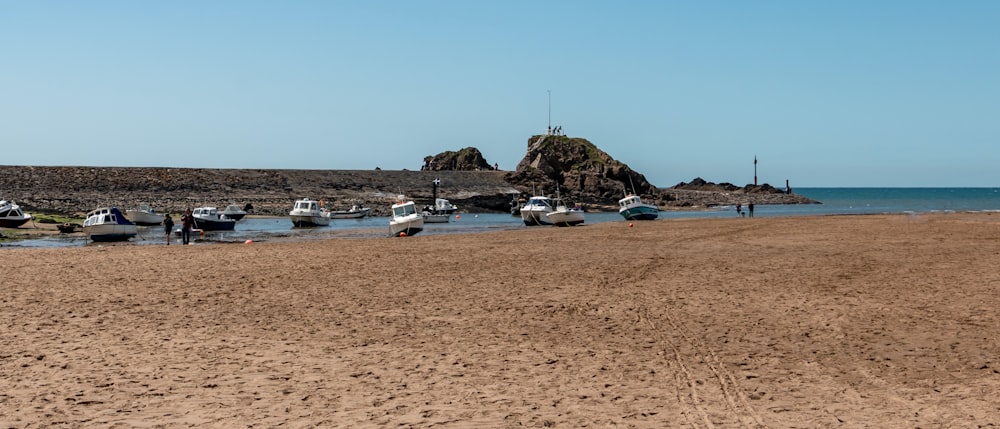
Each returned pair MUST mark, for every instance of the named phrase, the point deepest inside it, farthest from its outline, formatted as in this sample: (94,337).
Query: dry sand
(836,321)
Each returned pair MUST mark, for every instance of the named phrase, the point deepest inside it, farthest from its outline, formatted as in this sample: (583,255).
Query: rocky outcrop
(579,169)
(467,159)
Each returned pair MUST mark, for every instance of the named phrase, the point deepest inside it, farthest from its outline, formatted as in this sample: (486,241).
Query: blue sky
(842,93)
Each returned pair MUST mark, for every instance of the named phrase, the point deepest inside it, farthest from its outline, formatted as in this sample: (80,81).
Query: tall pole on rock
(437,181)
(755,170)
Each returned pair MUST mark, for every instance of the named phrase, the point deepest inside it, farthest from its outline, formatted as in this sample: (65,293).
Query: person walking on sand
(168,224)
(739,210)
(187,222)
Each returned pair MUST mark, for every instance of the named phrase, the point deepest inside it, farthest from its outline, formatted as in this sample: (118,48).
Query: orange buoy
(402,234)
(248,242)
(630,224)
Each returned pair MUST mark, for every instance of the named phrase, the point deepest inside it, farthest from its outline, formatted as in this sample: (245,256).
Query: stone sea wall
(76,190)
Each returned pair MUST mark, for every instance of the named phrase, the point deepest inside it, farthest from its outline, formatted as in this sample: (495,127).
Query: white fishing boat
(210,219)
(307,213)
(405,220)
(632,208)
(355,212)
(108,224)
(564,215)
(11,215)
(234,212)
(440,212)
(534,210)
(144,215)
(442,209)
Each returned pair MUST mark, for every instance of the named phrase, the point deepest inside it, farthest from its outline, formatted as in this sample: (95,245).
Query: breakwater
(75,190)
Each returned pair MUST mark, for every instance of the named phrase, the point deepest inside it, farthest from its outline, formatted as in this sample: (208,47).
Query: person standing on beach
(168,224)
(739,210)
(187,222)
(750,209)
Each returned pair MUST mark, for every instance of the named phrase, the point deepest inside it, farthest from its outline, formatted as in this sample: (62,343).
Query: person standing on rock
(187,222)
(168,224)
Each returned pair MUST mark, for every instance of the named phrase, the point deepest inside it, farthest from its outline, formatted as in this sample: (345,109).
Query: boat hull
(109,232)
(436,218)
(349,214)
(566,218)
(640,213)
(410,225)
(305,221)
(214,225)
(13,222)
(143,218)
(535,217)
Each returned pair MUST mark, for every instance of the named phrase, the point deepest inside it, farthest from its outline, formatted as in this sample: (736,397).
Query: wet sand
(832,321)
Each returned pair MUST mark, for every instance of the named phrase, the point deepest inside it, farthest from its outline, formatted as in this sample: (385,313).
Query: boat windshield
(404,210)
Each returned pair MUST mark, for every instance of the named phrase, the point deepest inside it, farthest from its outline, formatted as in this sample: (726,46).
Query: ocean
(834,201)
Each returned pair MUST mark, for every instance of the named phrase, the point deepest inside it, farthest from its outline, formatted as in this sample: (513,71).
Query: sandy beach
(830,321)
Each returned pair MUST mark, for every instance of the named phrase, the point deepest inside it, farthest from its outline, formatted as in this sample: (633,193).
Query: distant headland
(582,172)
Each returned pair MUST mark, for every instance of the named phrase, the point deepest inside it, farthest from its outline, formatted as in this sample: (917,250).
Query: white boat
(233,212)
(108,224)
(632,208)
(534,210)
(144,215)
(210,219)
(439,213)
(442,209)
(563,215)
(354,213)
(405,220)
(11,215)
(307,212)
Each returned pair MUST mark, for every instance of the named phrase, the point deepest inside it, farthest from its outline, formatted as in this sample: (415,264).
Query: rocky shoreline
(72,191)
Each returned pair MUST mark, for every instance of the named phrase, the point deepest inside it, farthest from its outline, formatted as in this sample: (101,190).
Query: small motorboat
(440,212)
(11,215)
(354,213)
(210,219)
(563,215)
(632,208)
(234,212)
(534,210)
(307,213)
(405,220)
(144,215)
(108,224)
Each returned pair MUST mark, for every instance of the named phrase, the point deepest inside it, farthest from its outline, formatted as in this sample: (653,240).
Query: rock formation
(467,159)
(579,168)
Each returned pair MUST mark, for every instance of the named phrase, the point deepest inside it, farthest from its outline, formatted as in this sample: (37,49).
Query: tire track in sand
(700,377)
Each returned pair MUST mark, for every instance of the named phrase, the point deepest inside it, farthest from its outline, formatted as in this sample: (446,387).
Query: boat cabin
(206,213)
(10,210)
(307,205)
(406,209)
(629,201)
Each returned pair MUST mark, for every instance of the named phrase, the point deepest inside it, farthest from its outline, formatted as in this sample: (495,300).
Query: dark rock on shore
(467,159)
